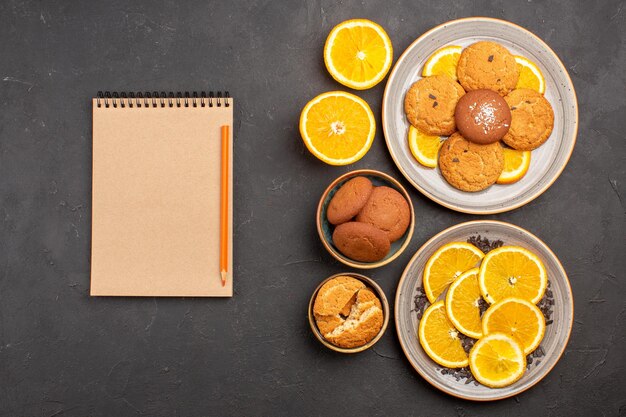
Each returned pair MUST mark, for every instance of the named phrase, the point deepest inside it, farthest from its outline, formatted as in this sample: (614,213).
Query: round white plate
(556,335)
(547,162)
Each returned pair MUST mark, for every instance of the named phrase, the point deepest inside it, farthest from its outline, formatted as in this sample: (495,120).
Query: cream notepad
(156,195)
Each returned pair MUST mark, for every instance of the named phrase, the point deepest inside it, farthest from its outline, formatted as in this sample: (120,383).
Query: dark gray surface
(63,353)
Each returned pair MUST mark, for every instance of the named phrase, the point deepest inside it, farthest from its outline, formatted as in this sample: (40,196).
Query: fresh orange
(337,127)
(497,360)
(516,165)
(447,264)
(512,271)
(463,304)
(358,53)
(439,339)
(530,75)
(424,148)
(518,318)
(443,61)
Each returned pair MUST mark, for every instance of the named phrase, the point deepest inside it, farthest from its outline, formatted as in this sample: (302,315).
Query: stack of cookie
(478,113)
(367,219)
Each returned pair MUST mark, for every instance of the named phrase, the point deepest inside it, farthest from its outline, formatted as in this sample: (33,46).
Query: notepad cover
(156,201)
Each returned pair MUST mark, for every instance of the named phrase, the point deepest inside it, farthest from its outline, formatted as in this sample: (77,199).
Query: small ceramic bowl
(325,229)
(383,301)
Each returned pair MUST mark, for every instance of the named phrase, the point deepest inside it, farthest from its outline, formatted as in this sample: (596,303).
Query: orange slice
(463,304)
(358,53)
(512,271)
(424,148)
(518,318)
(337,127)
(439,339)
(497,360)
(443,61)
(446,265)
(530,75)
(516,165)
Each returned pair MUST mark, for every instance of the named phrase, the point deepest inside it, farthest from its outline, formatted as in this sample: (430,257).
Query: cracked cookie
(532,119)
(468,166)
(352,328)
(487,65)
(430,102)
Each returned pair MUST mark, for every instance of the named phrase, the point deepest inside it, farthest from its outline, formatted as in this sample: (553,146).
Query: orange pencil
(224,205)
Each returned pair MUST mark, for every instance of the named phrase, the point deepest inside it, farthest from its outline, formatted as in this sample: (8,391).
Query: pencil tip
(223,278)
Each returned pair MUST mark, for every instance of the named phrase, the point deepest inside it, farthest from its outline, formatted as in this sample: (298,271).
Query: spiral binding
(162,99)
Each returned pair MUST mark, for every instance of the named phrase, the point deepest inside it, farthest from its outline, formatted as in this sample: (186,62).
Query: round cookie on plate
(532,120)
(468,166)
(482,116)
(430,102)
(487,65)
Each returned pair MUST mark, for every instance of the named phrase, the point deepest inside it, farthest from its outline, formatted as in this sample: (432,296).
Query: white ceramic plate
(557,333)
(547,162)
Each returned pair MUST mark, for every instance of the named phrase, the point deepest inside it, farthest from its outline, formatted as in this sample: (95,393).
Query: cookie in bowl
(365,219)
(348,312)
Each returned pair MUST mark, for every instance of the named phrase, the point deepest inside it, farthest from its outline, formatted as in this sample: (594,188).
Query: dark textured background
(63,353)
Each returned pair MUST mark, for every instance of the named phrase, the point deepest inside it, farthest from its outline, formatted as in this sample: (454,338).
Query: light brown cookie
(469,166)
(487,65)
(349,200)
(532,119)
(335,294)
(361,241)
(430,102)
(387,210)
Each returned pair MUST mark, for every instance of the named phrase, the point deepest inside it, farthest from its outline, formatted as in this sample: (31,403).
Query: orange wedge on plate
(497,360)
(446,265)
(358,53)
(443,61)
(439,339)
(337,127)
(463,304)
(425,148)
(516,165)
(530,75)
(518,318)
(512,271)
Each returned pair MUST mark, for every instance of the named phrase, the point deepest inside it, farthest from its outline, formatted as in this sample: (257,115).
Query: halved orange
(463,304)
(530,75)
(497,360)
(358,53)
(516,165)
(443,61)
(512,271)
(447,264)
(337,127)
(425,148)
(440,339)
(518,318)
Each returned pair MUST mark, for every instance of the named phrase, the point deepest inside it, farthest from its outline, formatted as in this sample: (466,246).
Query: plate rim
(405,274)
(451,206)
